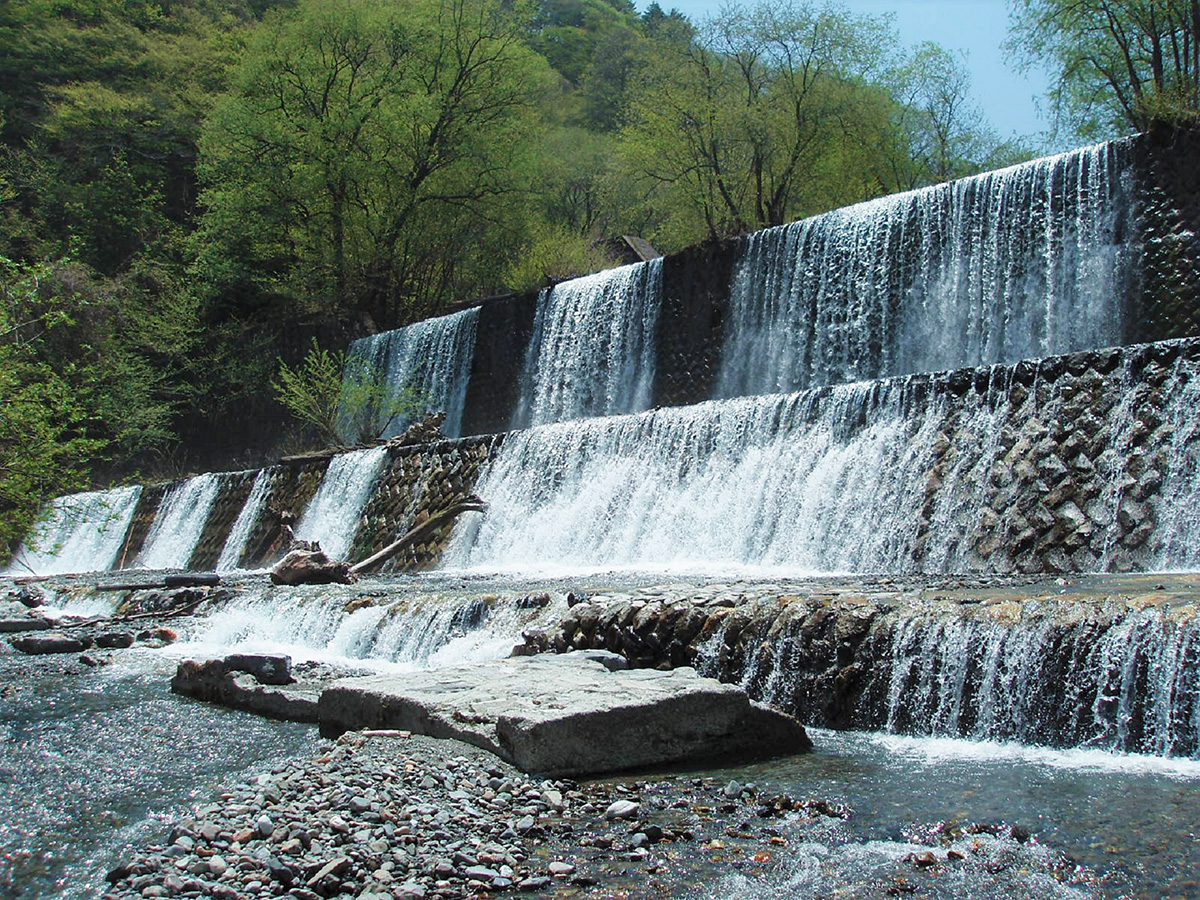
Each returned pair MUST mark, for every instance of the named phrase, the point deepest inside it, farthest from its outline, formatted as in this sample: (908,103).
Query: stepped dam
(928,466)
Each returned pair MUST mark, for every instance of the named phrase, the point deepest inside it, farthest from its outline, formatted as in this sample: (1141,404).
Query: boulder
(568,715)
(114,640)
(24,623)
(216,681)
(310,567)
(51,642)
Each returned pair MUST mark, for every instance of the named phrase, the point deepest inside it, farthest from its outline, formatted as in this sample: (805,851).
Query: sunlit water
(95,763)
(98,762)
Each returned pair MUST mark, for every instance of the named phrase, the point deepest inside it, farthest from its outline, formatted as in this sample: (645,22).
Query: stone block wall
(143,518)
(1061,465)
(691,323)
(1167,165)
(418,482)
(231,497)
(292,486)
(503,332)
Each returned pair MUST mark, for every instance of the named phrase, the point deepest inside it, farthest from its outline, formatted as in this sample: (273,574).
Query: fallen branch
(184,609)
(420,532)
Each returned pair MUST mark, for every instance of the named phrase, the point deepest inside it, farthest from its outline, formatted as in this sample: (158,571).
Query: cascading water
(179,523)
(332,517)
(921,473)
(1016,264)
(592,350)
(235,543)
(754,481)
(409,627)
(78,533)
(426,366)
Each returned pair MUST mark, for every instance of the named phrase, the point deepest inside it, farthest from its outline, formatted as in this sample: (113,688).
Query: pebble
(361,821)
(622,809)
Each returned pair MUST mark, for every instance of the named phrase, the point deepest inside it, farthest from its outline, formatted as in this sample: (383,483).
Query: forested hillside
(192,190)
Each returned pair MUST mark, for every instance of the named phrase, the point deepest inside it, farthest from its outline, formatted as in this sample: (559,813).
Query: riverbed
(96,762)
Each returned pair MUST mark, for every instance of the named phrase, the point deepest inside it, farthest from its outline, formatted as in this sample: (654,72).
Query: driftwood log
(420,532)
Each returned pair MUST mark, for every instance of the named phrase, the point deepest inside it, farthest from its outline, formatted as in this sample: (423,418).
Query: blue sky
(978,27)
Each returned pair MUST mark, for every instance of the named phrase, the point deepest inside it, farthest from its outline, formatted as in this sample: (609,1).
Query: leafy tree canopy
(1121,64)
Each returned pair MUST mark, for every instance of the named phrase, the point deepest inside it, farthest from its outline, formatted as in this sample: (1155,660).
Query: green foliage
(1122,64)
(341,396)
(367,152)
(727,132)
(45,416)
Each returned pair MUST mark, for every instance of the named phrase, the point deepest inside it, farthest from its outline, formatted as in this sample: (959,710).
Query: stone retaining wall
(418,482)
(1041,663)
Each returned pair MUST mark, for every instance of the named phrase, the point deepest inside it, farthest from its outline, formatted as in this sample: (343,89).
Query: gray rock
(25,623)
(51,642)
(567,715)
(266,668)
(115,640)
(622,809)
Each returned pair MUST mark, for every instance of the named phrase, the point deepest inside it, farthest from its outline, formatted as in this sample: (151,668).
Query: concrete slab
(569,714)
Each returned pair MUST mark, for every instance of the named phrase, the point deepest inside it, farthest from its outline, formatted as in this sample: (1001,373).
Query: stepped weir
(997,376)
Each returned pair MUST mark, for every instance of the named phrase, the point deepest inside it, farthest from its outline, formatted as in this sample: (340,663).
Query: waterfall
(235,543)
(964,471)
(592,352)
(333,514)
(179,523)
(1130,684)
(817,481)
(426,367)
(1021,263)
(408,626)
(1180,507)
(78,533)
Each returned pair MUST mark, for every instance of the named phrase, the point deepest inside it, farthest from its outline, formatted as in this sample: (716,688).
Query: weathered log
(420,532)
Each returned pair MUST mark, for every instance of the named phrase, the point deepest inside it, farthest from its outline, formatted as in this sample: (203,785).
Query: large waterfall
(905,474)
(1021,263)
(425,366)
(592,350)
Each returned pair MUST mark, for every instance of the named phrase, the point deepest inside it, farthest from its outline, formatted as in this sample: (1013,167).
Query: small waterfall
(1020,263)
(593,347)
(78,533)
(407,627)
(179,523)
(1130,684)
(428,364)
(332,517)
(1180,506)
(235,543)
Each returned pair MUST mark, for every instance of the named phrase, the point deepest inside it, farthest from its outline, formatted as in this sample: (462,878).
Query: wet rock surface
(568,714)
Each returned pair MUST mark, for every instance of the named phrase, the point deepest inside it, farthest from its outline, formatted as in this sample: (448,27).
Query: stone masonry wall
(1068,474)
(418,482)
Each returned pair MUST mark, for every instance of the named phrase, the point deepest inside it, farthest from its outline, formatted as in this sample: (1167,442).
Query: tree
(341,397)
(1122,64)
(45,415)
(765,110)
(939,132)
(365,153)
